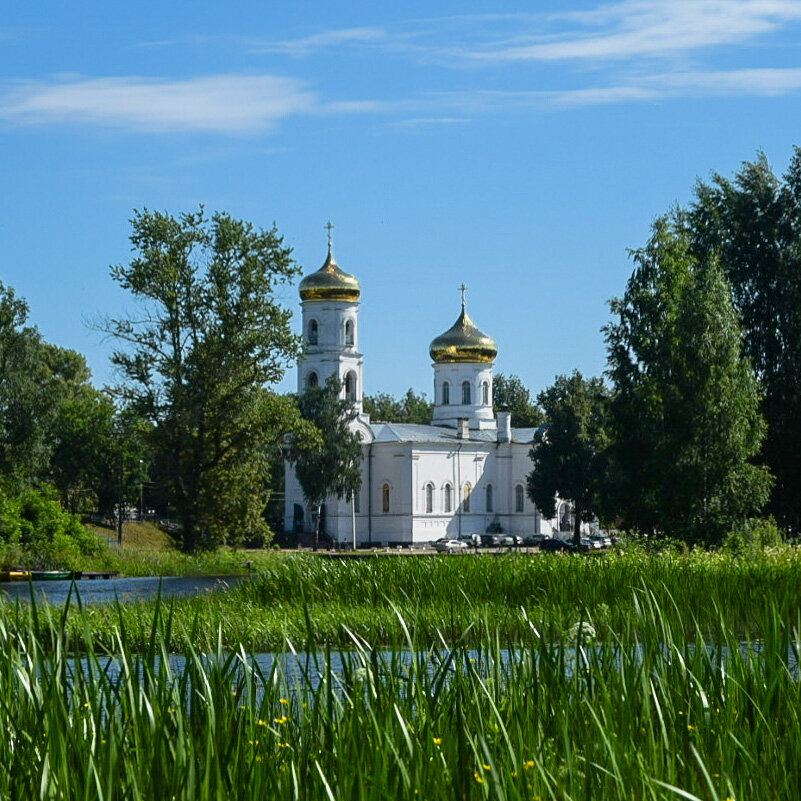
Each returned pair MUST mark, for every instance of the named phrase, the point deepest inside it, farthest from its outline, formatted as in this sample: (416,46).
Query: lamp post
(141,483)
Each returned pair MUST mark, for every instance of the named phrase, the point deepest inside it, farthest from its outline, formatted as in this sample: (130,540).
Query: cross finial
(330,227)
(462,289)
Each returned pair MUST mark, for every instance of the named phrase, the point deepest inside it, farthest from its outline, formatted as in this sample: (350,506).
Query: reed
(648,711)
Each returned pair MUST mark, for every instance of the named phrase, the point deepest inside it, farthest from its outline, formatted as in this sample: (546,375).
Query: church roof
(463,342)
(330,283)
(409,432)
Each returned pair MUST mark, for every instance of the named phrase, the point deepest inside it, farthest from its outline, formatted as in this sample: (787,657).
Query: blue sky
(518,151)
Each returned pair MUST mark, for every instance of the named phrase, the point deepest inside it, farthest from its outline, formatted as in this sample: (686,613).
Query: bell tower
(330,314)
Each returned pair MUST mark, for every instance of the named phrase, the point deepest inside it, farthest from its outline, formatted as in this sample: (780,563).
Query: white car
(446,545)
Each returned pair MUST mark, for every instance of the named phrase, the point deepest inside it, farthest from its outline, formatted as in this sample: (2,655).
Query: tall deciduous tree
(209,337)
(568,455)
(328,464)
(510,392)
(686,420)
(27,403)
(753,223)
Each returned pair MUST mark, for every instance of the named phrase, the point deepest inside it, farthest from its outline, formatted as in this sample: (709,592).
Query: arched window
(485,393)
(489,498)
(385,499)
(448,498)
(313,332)
(466,498)
(312,380)
(350,386)
(349,333)
(466,393)
(429,498)
(519,498)
(446,394)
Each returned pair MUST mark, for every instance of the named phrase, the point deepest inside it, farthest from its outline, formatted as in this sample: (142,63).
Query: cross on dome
(462,289)
(329,226)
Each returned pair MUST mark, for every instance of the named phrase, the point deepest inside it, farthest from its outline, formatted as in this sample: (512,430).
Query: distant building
(464,474)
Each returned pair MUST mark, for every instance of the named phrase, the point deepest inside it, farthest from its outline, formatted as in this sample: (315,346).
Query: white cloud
(321,41)
(754,82)
(636,28)
(217,103)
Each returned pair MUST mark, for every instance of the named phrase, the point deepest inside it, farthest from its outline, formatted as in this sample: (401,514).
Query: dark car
(535,539)
(490,540)
(554,545)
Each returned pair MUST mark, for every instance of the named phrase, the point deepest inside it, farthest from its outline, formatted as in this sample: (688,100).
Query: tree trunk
(317,527)
(576,525)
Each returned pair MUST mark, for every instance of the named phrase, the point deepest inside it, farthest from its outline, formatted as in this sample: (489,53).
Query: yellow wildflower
(283,745)
(487,767)
(261,723)
(528,765)
(438,741)
(478,777)
(283,701)
(690,727)
(283,719)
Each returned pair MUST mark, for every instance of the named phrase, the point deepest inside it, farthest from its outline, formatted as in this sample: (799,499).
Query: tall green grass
(645,712)
(451,596)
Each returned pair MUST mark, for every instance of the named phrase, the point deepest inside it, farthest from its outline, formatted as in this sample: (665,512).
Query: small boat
(15,575)
(50,575)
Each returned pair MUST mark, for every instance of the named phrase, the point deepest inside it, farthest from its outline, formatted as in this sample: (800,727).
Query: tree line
(694,429)
(699,425)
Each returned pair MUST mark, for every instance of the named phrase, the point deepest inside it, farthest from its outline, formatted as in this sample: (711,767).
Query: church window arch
(519,498)
(349,334)
(466,400)
(485,393)
(466,498)
(447,498)
(350,386)
(385,490)
(446,393)
(429,498)
(314,332)
(312,380)
(490,499)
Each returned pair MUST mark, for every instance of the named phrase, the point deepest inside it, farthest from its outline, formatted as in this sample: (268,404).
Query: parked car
(490,540)
(604,542)
(591,544)
(553,545)
(472,540)
(447,545)
(511,540)
(535,539)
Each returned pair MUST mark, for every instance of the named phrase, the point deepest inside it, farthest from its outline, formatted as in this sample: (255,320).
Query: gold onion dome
(330,283)
(463,342)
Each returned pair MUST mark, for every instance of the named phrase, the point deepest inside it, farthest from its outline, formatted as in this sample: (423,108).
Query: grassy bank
(640,714)
(451,597)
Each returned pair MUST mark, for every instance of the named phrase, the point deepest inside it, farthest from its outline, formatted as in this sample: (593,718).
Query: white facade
(464,474)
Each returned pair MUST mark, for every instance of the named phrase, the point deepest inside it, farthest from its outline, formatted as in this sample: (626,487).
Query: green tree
(411,408)
(568,455)
(510,392)
(210,336)
(685,412)
(27,402)
(330,463)
(753,223)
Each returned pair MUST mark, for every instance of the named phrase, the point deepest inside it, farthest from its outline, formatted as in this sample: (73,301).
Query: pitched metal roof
(410,432)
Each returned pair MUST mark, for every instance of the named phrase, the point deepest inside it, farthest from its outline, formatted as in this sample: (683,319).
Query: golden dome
(463,342)
(330,283)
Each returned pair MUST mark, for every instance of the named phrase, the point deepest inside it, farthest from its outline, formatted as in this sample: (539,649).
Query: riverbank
(445,599)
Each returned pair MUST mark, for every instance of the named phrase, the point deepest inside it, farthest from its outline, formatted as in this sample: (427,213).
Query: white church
(463,474)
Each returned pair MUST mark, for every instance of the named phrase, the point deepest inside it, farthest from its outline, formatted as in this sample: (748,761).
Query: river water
(103,591)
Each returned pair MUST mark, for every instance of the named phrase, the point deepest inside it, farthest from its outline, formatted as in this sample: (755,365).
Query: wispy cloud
(217,103)
(321,41)
(623,30)
(636,28)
